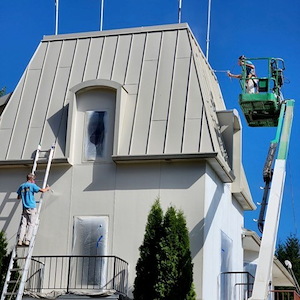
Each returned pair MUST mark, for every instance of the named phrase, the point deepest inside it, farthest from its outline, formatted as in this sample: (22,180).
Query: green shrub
(165,269)
(4,259)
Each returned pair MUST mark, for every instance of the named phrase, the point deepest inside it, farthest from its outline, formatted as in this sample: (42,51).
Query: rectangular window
(226,284)
(95,135)
(90,241)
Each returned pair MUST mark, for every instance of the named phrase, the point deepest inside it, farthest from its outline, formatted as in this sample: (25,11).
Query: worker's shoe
(26,243)
(20,243)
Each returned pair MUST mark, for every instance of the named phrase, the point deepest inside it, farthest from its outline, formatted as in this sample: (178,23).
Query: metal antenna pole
(208,28)
(101,14)
(179,11)
(56,16)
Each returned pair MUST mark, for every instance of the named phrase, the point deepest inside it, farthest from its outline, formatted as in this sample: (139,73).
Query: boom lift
(267,108)
(261,109)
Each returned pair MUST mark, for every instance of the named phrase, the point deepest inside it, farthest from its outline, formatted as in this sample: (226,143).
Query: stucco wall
(125,193)
(222,216)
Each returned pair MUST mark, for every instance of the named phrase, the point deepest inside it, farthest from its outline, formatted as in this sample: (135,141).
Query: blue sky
(260,28)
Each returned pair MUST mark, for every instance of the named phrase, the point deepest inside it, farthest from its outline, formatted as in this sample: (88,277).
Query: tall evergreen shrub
(147,265)
(171,266)
(4,259)
(176,269)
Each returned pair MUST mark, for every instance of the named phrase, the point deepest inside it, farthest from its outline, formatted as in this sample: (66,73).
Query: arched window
(96,112)
(93,125)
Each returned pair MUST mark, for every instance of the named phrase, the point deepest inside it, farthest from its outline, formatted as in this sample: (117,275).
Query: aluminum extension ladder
(16,276)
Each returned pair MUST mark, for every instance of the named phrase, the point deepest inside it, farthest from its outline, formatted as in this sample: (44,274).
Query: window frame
(120,105)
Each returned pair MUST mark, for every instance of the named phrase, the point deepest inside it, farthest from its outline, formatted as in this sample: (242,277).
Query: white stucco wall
(223,214)
(125,194)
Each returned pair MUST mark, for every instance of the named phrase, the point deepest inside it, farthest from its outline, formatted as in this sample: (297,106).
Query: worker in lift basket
(26,192)
(251,81)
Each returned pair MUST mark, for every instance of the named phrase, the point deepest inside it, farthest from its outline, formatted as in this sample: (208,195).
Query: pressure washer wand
(221,71)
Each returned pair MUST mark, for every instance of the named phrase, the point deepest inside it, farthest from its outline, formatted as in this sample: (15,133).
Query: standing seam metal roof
(173,94)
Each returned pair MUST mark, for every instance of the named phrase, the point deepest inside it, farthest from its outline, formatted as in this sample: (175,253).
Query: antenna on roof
(101,14)
(208,28)
(56,16)
(179,10)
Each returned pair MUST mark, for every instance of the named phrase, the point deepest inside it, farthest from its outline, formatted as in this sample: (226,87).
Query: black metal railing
(71,273)
(236,285)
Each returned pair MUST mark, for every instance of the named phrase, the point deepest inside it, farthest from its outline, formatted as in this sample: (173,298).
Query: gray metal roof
(174,95)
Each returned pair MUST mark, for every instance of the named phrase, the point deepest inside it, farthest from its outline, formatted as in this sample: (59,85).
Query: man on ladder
(26,192)
(29,227)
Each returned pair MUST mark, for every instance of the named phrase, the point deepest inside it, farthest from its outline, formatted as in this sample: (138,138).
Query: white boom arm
(263,274)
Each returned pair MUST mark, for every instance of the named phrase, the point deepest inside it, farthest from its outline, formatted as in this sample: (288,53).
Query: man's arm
(46,189)
(19,193)
(233,75)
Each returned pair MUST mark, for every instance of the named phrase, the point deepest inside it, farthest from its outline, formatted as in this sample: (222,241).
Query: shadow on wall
(198,235)
(8,208)
(58,124)
(145,176)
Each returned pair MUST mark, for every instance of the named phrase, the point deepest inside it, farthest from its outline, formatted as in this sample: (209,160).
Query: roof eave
(28,162)
(212,158)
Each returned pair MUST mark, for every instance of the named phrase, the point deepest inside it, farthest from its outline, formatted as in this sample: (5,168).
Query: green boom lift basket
(262,108)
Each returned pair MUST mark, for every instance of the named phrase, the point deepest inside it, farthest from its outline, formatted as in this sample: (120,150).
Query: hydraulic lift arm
(266,254)
(268,171)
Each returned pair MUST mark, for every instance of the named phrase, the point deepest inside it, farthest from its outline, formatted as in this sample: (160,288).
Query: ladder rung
(12,281)
(42,164)
(16,269)
(43,157)
(11,294)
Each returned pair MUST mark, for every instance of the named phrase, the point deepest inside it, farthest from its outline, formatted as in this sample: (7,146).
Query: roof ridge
(116,32)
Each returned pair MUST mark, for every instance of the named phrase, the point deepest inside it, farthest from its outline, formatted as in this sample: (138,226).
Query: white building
(135,114)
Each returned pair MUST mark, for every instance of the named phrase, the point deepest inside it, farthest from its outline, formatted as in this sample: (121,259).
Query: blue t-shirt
(26,192)
(248,69)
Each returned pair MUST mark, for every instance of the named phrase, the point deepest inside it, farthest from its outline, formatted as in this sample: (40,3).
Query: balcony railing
(236,285)
(73,273)
(284,295)
(239,285)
